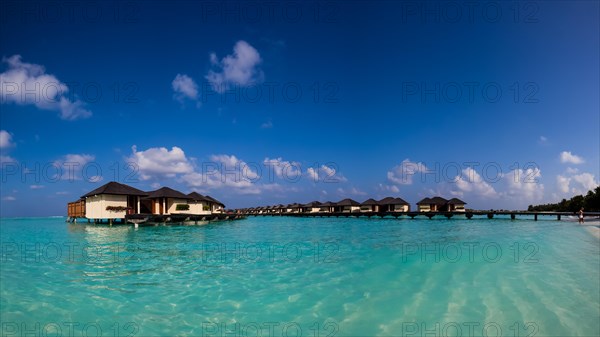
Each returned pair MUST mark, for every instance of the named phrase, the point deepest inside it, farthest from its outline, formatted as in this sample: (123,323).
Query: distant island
(590,202)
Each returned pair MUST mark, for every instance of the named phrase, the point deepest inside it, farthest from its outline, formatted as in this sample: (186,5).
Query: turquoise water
(300,277)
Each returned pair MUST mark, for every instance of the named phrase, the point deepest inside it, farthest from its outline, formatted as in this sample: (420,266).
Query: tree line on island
(590,203)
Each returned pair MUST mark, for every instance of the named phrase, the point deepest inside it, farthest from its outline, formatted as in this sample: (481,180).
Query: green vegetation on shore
(590,202)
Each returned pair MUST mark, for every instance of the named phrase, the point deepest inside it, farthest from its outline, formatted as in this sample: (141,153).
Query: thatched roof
(327,204)
(312,204)
(116,188)
(348,202)
(424,201)
(167,192)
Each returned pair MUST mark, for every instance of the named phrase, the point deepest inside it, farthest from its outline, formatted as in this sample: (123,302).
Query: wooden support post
(535,217)
(513,216)
(558,217)
(490,216)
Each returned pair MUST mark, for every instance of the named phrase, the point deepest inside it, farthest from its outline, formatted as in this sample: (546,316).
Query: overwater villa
(117,201)
(439,204)
(111,200)
(312,207)
(347,206)
(166,200)
(369,205)
(326,207)
(390,204)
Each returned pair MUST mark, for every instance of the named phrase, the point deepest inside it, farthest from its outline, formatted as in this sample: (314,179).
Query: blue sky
(264,103)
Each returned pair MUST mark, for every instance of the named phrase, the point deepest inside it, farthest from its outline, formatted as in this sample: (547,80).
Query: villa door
(132,204)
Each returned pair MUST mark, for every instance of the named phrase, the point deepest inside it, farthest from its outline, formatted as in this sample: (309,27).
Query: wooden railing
(76,209)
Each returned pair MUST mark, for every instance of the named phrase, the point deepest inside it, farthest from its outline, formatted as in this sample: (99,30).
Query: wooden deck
(468,215)
(76,209)
(164,219)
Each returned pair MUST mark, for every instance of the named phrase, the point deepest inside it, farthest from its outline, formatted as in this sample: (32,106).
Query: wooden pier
(163,219)
(462,214)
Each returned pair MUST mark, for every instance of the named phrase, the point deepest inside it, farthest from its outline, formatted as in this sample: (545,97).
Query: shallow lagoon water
(301,276)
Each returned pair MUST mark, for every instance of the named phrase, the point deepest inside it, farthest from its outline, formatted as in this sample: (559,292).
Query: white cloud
(232,173)
(95,179)
(9,198)
(403,174)
(5,139)
(26,83)
(62,193)
(6,160)
(389,188)
(72,166)
(217,179)
(576,184)
(562,183)
(283,168)
(185,88)
(226,171)
(524,184)
(36,187)
(571,170)
(267,125)
(241,170)
(158,162)
(543,140)
(5,143)
(568,157)
(352,191)
(313,174)
(324,173)
(586,180)
(80,159)
(241,68)
(470,181)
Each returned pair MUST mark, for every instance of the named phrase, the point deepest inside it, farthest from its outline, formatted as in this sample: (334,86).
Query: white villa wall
(197,207)
(424,208)
(400,208)
(347,209)
(172,206)
(95,206)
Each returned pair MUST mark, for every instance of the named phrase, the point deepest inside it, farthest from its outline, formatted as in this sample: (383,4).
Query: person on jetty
(581,215)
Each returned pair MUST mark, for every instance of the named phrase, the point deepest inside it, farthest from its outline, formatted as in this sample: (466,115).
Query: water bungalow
(123,203)
(326,207)
(389,207)
(369,205)
(391,204)
(347,206)
(215,205)
(199,204)
(439,204)
(112,200)
(311,207)
(166,200)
